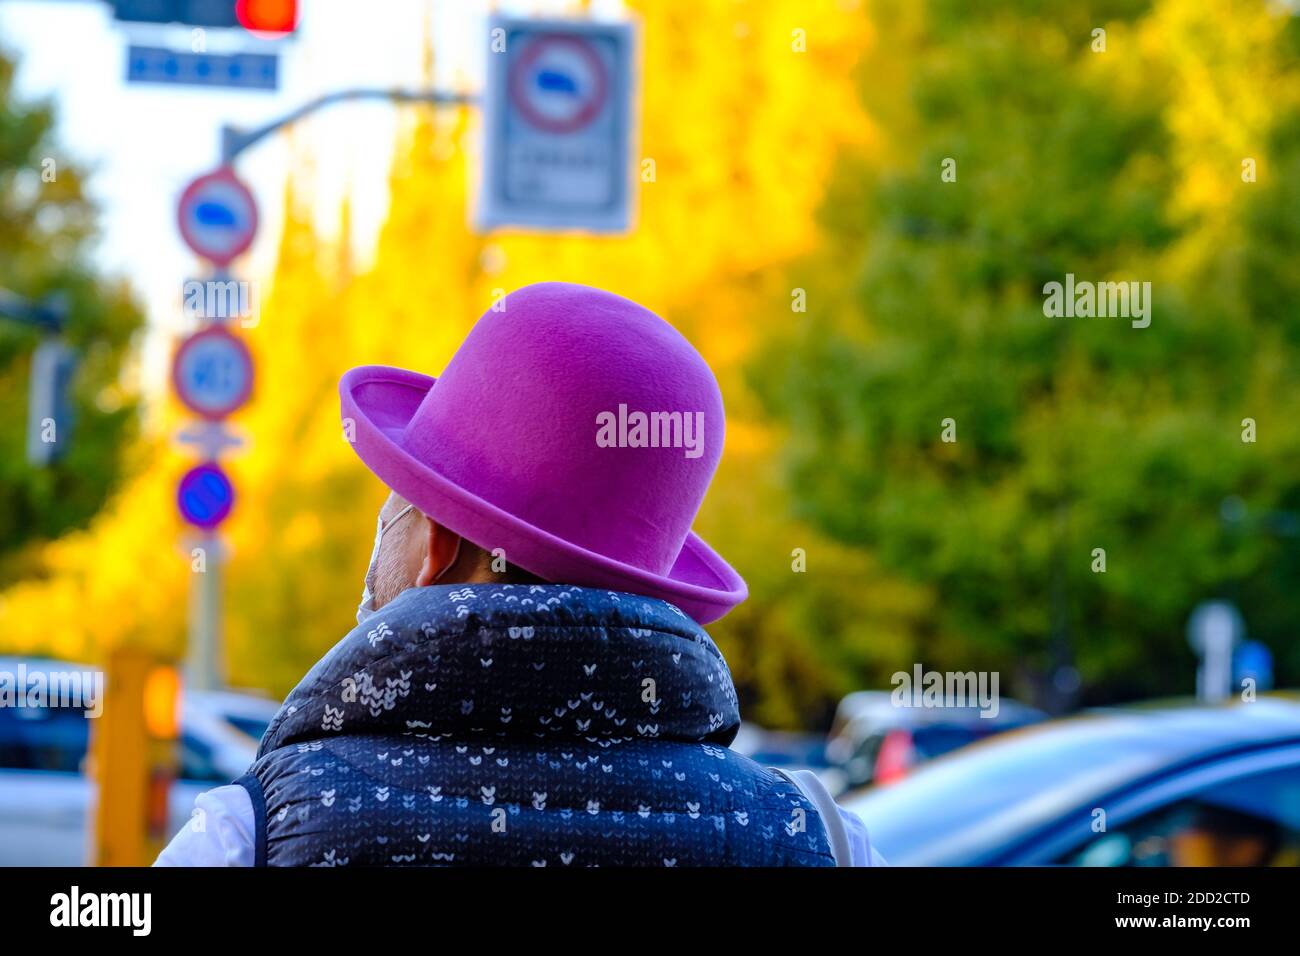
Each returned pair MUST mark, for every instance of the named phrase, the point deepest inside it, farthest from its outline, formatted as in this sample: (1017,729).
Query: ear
(439,553)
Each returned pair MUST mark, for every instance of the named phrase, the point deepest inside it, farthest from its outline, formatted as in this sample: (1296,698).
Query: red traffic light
(267,16)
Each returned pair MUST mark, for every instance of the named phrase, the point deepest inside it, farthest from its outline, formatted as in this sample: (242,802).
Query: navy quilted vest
(543,725)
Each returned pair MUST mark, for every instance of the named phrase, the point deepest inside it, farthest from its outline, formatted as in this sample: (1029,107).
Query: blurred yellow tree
(745,109)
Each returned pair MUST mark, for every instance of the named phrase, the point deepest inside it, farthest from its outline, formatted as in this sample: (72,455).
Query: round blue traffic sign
(205,496)
(212,373)
(217,216)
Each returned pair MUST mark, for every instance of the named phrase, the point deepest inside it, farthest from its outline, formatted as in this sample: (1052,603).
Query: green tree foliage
(1072,434)
(46,227)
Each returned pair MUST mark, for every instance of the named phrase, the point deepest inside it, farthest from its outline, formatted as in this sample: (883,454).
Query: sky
(143,143)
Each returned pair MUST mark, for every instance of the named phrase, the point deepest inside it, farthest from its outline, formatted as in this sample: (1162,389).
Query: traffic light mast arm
(234,141)
(50,314)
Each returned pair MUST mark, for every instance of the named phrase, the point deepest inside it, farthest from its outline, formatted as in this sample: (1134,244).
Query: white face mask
(367,605)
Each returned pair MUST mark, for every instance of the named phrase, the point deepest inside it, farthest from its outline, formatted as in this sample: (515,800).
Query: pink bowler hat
(573,429)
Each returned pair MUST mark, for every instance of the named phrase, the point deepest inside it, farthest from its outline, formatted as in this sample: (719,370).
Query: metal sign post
(212,375)
(204,660)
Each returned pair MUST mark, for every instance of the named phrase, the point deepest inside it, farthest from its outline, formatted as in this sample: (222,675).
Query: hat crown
(582,413)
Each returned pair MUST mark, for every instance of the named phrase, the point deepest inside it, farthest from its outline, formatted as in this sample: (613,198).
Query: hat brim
(380,401)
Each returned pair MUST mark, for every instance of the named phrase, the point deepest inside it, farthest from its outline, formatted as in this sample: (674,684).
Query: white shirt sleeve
(849,835)
(860,849)
(219,833)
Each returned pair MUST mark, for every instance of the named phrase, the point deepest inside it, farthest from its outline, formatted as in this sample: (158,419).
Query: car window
(254,727)
(1250,821)
(931,742)
(43,738)
(196,763)
(56,739)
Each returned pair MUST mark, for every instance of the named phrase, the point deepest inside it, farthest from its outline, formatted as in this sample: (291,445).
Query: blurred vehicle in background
(877,741)
(45,797)
(874,740)
(1163,784)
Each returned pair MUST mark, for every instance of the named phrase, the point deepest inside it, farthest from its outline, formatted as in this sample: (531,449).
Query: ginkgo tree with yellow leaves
(745,109)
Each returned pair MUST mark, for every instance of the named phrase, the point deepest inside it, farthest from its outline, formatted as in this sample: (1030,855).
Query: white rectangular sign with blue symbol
(558,121)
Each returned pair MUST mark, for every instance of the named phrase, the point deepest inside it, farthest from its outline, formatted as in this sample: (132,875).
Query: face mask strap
(383,528)
(455,556)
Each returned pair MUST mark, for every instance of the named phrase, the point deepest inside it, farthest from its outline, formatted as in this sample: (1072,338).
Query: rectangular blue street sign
(250,71)
(197,13)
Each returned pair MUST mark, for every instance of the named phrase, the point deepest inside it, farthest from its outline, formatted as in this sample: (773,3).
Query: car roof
(1025,777)
(875,712)
(1173,729)
(239,703)
(1186,726)
(10,663)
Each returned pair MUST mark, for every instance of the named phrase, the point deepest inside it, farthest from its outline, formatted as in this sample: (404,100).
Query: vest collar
(528,661)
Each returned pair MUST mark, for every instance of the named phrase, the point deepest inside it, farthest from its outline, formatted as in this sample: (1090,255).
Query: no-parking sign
(217,216)
(204,496)
(558,119)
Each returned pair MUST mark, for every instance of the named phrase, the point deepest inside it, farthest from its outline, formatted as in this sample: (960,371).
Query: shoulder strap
(837,835)
(257,797)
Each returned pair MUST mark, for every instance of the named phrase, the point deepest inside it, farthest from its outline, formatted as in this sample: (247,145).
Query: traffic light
(267,16)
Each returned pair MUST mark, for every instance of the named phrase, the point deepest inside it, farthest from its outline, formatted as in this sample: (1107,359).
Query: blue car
(1174,784)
